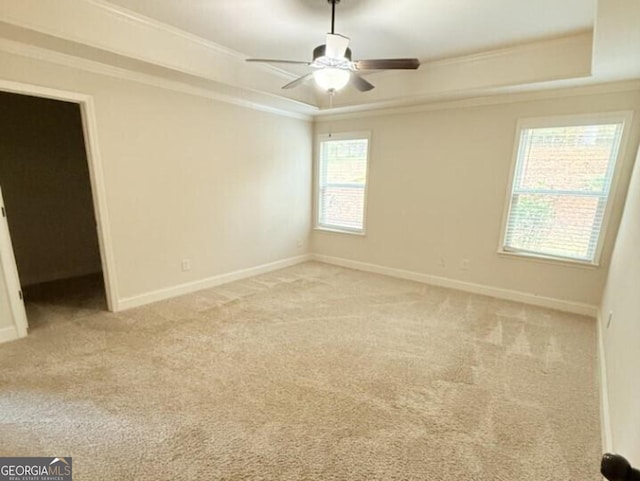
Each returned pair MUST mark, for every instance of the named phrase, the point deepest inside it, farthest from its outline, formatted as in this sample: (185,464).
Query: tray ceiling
(467,48)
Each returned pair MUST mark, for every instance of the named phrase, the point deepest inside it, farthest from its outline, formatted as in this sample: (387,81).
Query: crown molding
(294,108)
(517,48)
(560,58)
(481,99)
(109,28)
(306,112)
(120,11)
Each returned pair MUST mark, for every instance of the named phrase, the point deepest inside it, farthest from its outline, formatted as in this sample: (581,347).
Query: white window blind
(561,185)
(342,177)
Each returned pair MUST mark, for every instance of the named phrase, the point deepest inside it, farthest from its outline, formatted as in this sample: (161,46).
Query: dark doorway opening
(46,186)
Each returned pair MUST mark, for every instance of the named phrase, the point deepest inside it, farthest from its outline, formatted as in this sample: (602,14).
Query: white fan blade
(336,46)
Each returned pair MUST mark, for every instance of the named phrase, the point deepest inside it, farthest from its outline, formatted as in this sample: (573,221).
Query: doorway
(53,194)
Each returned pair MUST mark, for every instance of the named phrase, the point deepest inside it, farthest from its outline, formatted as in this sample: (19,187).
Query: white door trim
(12,281)
(96,174)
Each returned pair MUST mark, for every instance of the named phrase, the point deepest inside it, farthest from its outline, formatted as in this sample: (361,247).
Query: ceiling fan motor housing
(321,50)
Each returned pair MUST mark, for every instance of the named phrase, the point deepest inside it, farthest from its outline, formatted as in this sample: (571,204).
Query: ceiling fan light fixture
(331,78)
(334,67)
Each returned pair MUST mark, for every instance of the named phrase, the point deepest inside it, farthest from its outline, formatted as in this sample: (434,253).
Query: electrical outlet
(186,265)
(442,263)
(299,243)
(609,319)
(464,264)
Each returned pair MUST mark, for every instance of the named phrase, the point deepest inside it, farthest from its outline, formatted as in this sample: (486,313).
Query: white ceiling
(426,29)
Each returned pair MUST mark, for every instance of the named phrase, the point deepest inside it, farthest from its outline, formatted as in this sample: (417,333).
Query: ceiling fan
(333,67)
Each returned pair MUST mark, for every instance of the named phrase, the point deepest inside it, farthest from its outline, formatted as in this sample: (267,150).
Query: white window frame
(316,191)
(623,117)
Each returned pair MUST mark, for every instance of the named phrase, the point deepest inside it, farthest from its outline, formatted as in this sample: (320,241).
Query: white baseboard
(605,413)
(189,287)
(8,334)
(498,292)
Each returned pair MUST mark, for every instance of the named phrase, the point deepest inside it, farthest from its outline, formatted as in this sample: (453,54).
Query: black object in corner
(616,468)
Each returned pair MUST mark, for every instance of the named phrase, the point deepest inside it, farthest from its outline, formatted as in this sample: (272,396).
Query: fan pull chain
(331,92)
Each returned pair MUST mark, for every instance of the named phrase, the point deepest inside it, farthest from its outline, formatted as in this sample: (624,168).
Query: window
(342,182)
(561,184)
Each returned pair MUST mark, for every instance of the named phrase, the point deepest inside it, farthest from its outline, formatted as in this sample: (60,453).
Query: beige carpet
(308,373)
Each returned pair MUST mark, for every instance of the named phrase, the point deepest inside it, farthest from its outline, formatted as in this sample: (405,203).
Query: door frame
(9,271)
(96,174)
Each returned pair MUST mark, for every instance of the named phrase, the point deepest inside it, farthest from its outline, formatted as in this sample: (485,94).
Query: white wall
(189,177)
(47,193)
(622,338)
(437,187)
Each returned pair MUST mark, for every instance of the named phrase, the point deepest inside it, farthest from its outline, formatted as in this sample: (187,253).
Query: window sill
(548,260)
(339,231)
